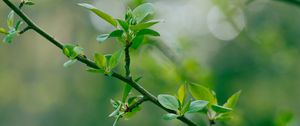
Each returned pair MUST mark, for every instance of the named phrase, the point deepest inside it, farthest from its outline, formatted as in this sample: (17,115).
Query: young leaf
(181,94)
(100,60)
(78,50)
(137,41)
(127,90)
(19,23)
(186,107)
(116,33)
(3,31)
(168,101)
(142,11)
(220,109)
(9,37)
(100,13)
(68,50)
(102,37)
(143,25)
(170,116)
(69,62)
(224,116)
(95,70)
(231,102)
(116,112)
(10,20)
(148,32)
(197,106)
(28,2)
(123,24)
(115,59)
(200,92)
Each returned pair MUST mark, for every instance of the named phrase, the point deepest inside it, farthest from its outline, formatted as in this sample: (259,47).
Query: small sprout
(28,2)
(69,63)
(108,62)
(123,24)
(72,52)
(10,20)
(9,37)
(3,31)
(181,94)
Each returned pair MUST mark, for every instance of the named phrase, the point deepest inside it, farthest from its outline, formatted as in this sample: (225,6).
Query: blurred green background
(226,45)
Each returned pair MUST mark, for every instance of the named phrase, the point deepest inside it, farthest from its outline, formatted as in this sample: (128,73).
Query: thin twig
(25,30)
(136,104)
(91,64)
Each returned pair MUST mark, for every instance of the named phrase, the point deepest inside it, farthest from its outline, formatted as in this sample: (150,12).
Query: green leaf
(123,24)
(170,116)
(220,109)
(133,112)
(9,37)
(116,112)
(197,106)
(143,25)
(148,32)
(115,104)
(115,59)
(168,101)
(181,94)
(100,60)
(224,116)
(137,41)
(10,20)
(69,51)
(100,13)
(142,11)
(28,2)
(116,33)
(231,102)
(126,92)
(95,70)
(19,23)
(200,92)
(78,50)
(102,37)
(186,107)
(3,31)
(70,62)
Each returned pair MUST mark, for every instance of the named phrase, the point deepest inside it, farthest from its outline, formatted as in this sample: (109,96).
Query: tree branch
(136,104)
(91,64)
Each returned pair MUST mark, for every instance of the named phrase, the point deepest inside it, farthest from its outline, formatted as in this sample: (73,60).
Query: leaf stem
(91,64)
(138,103)
(25,30)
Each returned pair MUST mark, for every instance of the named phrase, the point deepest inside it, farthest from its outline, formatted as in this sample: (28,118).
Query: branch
(135,105)
(91,64)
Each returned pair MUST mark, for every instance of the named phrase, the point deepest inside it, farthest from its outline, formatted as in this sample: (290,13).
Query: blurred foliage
(262,60)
